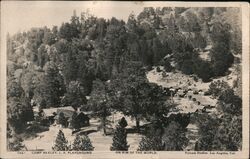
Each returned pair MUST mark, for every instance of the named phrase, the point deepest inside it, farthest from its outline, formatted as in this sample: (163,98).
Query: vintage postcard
(113,79)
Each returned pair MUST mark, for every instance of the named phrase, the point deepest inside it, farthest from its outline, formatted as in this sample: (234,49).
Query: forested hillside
(60,66)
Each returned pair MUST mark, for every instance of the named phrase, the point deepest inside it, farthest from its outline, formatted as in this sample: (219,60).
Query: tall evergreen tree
(221,56)
(75,95)
(53,85)
(120,138)
(101,102)
(139,97)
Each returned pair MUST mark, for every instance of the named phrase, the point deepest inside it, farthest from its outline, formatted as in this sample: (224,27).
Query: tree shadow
(134,129)
(86,132)
(32,131)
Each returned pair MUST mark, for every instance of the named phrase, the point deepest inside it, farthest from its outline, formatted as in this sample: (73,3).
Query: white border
(166,154)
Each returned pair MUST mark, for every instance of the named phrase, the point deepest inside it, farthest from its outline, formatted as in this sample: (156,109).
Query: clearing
(45,140)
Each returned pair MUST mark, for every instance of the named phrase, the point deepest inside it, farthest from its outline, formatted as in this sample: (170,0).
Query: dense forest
(106,59)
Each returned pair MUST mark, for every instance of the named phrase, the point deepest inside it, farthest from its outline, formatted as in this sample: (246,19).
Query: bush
(195,79)
(189,97)
(158,69)
(203,70)
(187,67)
(216,87)
(195,92)
(15,144)
(82,143)
(167,66)
(151,143)
(207,93)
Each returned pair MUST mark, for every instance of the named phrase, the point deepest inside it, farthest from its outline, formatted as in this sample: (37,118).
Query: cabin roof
(80,114)
(70,108)
(50,111)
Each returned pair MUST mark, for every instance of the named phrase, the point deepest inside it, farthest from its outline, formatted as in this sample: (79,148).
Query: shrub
(216,87)
(167,66)
(207,93)
(189,97)
(82,143)
(158,69)
(196,92)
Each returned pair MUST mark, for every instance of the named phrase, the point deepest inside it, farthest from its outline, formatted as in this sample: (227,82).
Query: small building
(52,115)
(180,93)
(190,91)
(201,92)
(49,114)
(68,112)
(81,118)
(172,89)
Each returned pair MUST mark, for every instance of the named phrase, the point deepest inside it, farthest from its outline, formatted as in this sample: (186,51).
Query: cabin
(49,114)
(68,112)
(82,119)
(172,89)
(52,115)
(201,92)
(181,93)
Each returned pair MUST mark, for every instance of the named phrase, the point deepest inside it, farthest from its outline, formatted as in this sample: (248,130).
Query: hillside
(176,68)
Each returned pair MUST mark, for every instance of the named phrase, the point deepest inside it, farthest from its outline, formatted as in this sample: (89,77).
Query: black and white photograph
(124,78)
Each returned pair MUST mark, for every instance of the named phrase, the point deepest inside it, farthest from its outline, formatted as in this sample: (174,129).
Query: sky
(21,16)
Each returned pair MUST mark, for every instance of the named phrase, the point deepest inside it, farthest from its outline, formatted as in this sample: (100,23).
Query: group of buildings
(52,115)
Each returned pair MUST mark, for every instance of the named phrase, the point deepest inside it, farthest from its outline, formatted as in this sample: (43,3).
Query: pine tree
(120,139)
(123,123)
(82,143)
(61,144)
(100,102)
(51,86)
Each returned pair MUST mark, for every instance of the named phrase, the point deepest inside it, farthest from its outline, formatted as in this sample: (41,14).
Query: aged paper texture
(112,79)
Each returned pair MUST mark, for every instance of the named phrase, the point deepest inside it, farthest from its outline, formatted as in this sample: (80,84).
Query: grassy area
(44,140)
